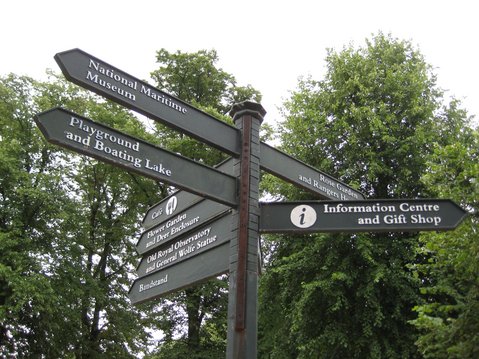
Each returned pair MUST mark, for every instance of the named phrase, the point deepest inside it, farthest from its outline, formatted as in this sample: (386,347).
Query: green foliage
(66,232)
(32,205)
(337,296)
(195,78)
(370,121)
(449,316)
(189,147)
(201,334)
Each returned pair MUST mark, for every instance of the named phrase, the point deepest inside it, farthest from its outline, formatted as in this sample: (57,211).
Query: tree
(448,317)
(199,313)
(67,227)
(196,79)
(370,123)
(32,205)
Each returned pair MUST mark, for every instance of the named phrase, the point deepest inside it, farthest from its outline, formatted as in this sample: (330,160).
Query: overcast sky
(267,44)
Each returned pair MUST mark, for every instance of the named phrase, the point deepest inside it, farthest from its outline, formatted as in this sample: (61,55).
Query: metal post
(243,282)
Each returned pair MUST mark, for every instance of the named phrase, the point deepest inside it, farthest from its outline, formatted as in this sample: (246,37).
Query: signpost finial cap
(247,108)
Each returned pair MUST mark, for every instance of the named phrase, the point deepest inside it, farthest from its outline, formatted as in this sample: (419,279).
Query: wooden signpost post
(212,225)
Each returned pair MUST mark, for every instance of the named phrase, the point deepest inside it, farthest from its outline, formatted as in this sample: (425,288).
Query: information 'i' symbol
(303,216)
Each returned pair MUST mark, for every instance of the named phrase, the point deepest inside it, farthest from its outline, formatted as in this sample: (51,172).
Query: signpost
(396,215)
(80,134)
(193,234)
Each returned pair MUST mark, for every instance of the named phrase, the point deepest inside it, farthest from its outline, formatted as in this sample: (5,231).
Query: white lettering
(406,207)
(160,98)
(153,283)
(157,168)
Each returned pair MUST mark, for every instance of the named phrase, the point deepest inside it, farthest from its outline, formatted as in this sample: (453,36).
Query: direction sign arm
(83,135)
(106,80)
(302,175)
(380,215)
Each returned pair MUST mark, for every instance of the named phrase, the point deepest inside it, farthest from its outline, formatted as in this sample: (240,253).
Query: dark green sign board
(169,207)
(186,246)
(178,201)
(197,269)
(83,135)
(108,81)
(399,215)
(302,175)
(193,217)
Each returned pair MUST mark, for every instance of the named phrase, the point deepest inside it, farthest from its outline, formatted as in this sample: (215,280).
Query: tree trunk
(193,303)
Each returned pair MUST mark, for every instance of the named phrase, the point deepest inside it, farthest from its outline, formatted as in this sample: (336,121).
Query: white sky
(267,44)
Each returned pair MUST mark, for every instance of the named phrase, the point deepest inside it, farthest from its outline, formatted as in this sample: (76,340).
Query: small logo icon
(171,205)
(303,216)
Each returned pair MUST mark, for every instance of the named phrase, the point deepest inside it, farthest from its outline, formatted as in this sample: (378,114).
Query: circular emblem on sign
(303,216)
(171,205)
